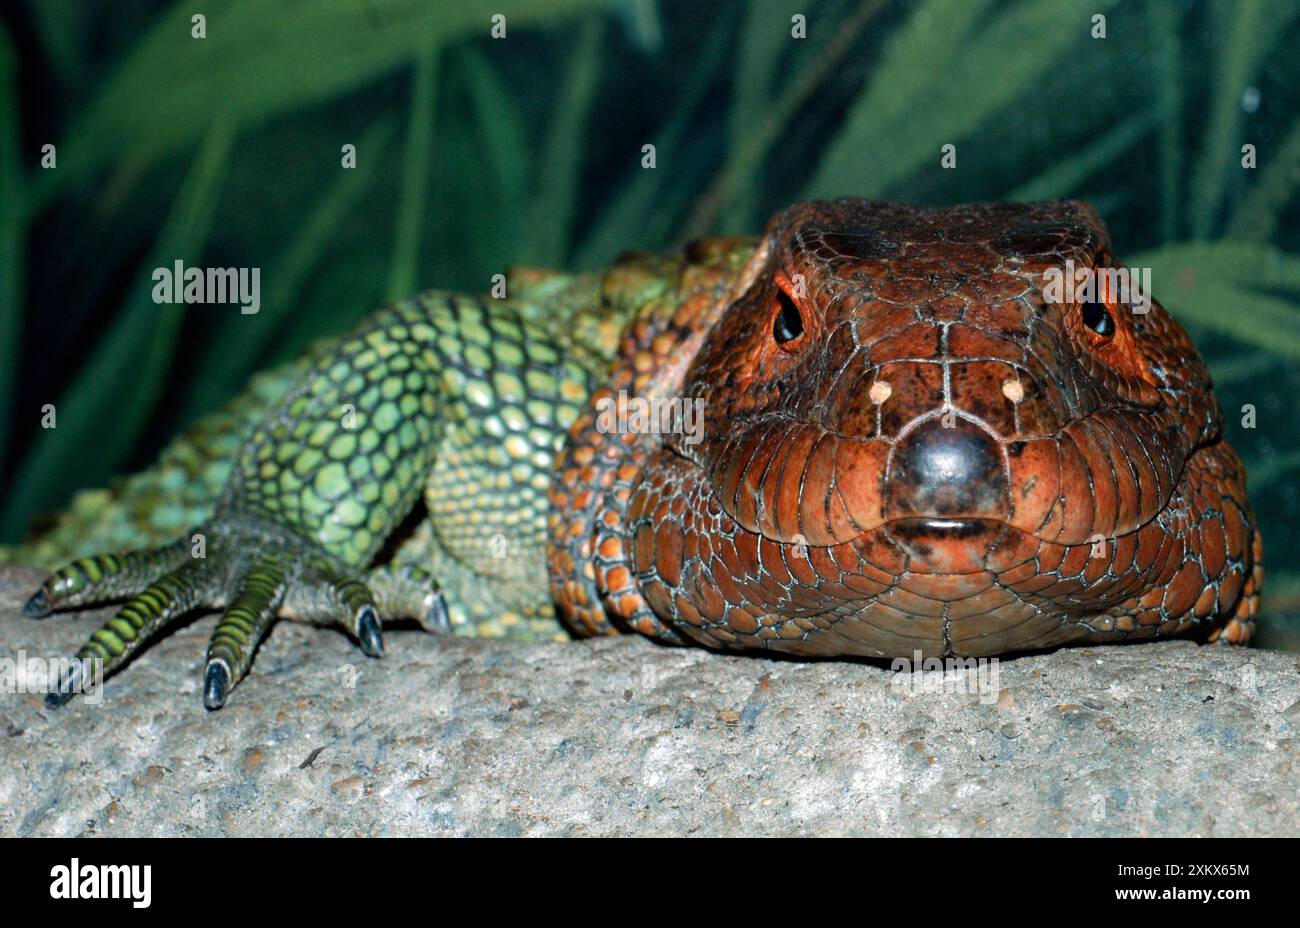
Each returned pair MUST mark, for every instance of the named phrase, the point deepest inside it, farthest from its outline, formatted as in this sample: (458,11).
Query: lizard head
(911,372)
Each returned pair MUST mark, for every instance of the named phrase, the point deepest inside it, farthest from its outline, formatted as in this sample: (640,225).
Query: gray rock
(620,736)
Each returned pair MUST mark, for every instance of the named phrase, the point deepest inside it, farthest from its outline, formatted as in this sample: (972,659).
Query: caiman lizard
(903,446)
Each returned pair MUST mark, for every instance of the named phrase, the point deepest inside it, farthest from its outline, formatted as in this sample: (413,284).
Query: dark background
(475,153)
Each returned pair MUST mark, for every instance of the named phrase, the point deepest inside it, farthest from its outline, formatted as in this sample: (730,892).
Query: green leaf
(1063,178)
(13,237)
(1163,21)
(764,37)
(642,20)
(1283,589)
(731,192)
(1231,287)
(921,97)
(1239,55)
(1257,212)
(96,428)
(1241,367)
(639,208)
(58,27)
(1275,467)
(261,60)
(502,135)
(415,175)
(555,200)
(218,375)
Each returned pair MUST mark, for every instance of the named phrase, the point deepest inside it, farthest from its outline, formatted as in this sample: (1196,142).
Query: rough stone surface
(620,736)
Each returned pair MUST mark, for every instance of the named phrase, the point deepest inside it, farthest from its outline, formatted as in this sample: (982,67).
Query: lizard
(905,447)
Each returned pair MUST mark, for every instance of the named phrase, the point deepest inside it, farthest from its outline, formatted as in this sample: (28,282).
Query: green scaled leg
(145,614)
(297,581)
(321,480)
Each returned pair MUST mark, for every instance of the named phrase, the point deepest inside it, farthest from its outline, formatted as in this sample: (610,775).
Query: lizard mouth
(1104,474)
(947,546)
(921,527)
(815,487)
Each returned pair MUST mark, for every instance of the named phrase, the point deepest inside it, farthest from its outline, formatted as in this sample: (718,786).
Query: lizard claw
(68,685)
(295,581)
(216,683)
(38,607)
(368,632)
(437,619)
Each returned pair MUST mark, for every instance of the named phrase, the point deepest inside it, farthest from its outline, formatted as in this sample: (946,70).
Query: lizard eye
(1097,318)
(788,323)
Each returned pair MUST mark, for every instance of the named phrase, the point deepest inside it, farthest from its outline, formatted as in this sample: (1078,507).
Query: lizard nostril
(880,391)
(1013,390)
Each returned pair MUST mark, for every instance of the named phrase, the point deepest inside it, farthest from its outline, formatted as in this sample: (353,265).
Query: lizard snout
(945,467)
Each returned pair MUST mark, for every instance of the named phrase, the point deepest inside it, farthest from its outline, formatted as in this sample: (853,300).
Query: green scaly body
(449,461)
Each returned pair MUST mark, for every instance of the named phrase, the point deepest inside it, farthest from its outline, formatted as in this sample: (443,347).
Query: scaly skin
(904,447)
(938,461)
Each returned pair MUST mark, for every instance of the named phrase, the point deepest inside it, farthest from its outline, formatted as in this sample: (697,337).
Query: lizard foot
(233,572)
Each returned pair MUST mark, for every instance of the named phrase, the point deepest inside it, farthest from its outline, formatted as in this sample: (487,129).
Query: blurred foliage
(475,153)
